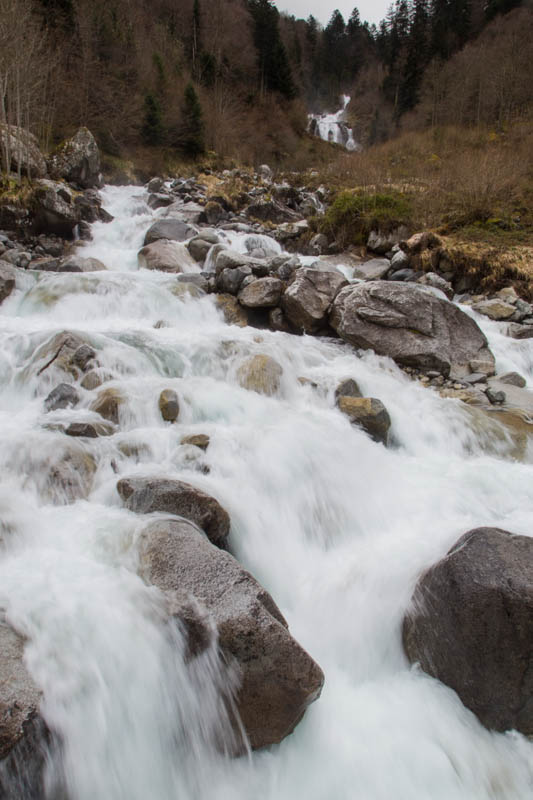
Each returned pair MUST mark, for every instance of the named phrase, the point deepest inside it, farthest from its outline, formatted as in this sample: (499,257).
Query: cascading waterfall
(333,127)
(335,526)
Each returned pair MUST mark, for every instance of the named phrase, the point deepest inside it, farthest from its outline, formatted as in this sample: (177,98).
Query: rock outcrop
(471,626)
(53,209)
(277,678)
(23,150)
(412,326)
(77,161)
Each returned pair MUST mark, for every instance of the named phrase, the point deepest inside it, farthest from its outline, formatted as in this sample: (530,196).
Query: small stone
(82,429)
(348,388)
(108,403)
(200,440)
(83,356)
(368,413)
(496,398)
(260,374)
(169,405)
(475,377)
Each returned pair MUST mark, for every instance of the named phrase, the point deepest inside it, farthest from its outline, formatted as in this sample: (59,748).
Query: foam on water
(335,526)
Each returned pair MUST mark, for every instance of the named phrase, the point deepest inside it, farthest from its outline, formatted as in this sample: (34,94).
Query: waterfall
(336,527)
(333,127)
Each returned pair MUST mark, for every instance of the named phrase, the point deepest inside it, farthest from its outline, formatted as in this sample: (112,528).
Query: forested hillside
(236,77)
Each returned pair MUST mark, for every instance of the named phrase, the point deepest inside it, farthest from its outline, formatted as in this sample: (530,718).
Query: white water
(335,526)
(333,127)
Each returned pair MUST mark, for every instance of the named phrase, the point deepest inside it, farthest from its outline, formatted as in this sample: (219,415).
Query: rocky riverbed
(233,476)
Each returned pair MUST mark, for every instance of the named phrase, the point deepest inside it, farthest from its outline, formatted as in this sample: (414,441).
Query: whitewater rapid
(335,526)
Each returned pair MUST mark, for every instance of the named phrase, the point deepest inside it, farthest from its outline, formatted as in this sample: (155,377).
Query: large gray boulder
(23,734)
(53,209)
(166,256)
(24,152)
(176,230)
(262,293)
(471,626)
(77,161)
(145,495)
(306,302)
(277,678)
(412,326)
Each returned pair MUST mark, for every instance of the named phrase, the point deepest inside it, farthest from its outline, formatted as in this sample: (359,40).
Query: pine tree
(495,7)
(191,131)
(152,129)
(418,56)
(274,70)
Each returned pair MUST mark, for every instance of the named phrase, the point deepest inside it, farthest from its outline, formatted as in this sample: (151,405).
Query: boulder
(108,404)
(495,309)
(271,211)
(372,270)
(175,230)
(77,161)
(411,326)
(277,678)
(82,430)
(307,300)
(348,388)
(382,241)
(471,626)
(513,379)
(53,209)
(63,396)
(24,151)
(229,281)
(75,263)
(58,351)
(262,293)
(427,240)
(200,440)
(517,331)
(169,405)
(83,356)
(200,246)
(367,413)
(166,256)
(214,213)
(260,374)
(234,313)
(146,495)
(7,280)
(23,734)
(434,280)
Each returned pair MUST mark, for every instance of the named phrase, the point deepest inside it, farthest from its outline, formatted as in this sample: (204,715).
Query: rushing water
(335,526)
(333,127)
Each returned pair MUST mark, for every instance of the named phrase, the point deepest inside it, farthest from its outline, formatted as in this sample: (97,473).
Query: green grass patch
(352,215)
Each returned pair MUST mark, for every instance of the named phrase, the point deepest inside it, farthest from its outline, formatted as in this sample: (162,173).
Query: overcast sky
(371,10)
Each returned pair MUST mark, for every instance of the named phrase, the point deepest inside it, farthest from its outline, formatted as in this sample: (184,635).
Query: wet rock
(495,397)
(200,440)
(372,270)
(513,379)
(23,734)
(17,258)
(261,374)
(278,679)
(520,331)
(63,396)
(169,405)
(175,230)
(68,475)
(82,430)
(233,312)
(76,263)
(77,160)
(262,293)
(7,280)
(146,495)
(160,200)
(278,321)
(414,328)
(155,185)
(83,356)
(471,626)
(348,388)
(108,404)
(399,262)
(166,256)
(200,246)
(24,151)
(318,246)
(494,309)
(94,379)
(369,414)
(229,281)
(53,210)
(307,300)
(57,352)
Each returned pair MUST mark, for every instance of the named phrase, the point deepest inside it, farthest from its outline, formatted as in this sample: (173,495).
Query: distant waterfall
(333,127)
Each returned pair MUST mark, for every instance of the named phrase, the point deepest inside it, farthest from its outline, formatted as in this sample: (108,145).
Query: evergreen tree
(274,70)
(195,35)
(191,131)
(334,57)
(418,56)
(495,7)
(152,128)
